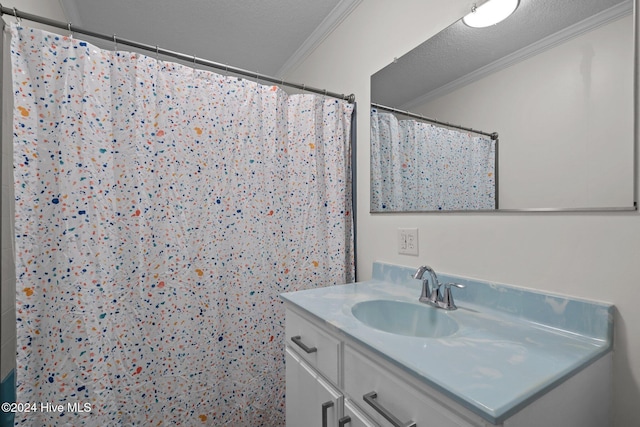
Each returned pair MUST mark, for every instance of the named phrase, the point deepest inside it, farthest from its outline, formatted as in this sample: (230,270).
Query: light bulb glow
(490,13)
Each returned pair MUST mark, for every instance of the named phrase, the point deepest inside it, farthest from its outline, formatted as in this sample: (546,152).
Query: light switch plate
(408,241)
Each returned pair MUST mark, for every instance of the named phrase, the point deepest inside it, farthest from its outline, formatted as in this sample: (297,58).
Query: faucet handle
(447,298)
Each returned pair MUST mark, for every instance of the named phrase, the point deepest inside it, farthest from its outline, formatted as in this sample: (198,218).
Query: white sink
(403,318)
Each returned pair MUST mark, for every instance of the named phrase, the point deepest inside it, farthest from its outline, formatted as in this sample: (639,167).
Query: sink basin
(403,318)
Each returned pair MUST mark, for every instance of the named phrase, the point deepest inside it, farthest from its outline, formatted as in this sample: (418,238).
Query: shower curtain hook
(15,13)
(115,43)
(157,54)
(70,30)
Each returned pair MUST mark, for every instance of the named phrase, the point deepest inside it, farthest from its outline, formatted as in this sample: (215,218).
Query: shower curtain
(417,166)
(160,210)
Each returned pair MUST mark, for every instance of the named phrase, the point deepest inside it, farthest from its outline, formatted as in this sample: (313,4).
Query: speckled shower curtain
(417,166)
(160,210)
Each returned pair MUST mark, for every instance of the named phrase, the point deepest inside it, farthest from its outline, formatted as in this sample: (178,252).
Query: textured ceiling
(459,50)
(256,35)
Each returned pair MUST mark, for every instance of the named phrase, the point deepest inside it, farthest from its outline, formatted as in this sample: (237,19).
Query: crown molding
(586,25)
(326,27)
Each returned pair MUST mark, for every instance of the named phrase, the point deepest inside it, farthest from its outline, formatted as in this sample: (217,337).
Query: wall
(588,255)
(554,111)
(52,10)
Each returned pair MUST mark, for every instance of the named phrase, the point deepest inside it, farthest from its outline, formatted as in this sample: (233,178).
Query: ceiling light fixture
(490,13)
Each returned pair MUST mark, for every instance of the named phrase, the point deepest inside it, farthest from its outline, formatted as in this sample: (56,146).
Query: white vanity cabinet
(334,380)
(321,369)
(379,387)
(312,374)
(310,399)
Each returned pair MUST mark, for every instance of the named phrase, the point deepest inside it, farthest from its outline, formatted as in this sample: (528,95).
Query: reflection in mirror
(417,165)
(554,80)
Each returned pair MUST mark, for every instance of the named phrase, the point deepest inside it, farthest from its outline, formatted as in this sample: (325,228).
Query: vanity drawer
(315,346)
(362,377)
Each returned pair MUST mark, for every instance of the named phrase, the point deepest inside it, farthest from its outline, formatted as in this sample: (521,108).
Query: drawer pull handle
(325,406)
(344,421)
(370,398)
(300,344)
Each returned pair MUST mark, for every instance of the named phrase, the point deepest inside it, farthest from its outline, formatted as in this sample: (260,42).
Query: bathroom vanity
(368,353)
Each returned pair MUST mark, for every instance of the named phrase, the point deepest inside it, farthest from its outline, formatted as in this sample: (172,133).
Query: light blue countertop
(512,345)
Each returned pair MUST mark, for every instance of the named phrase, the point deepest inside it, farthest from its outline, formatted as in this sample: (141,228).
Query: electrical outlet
(408,241)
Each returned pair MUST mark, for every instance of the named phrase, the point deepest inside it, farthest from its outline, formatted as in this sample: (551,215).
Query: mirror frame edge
(636,152)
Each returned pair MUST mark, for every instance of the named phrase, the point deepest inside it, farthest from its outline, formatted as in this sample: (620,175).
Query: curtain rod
(159,51)
(492,135)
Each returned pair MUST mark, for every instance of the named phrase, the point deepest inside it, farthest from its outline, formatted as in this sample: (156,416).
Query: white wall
(589,255)
(569,108)
(50,9)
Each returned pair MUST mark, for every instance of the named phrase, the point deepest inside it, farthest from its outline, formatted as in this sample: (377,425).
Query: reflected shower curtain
(418,166)
(160,210)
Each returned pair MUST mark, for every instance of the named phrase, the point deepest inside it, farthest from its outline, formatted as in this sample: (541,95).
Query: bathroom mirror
(555,81)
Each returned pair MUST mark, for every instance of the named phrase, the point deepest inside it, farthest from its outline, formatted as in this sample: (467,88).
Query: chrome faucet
(431,293)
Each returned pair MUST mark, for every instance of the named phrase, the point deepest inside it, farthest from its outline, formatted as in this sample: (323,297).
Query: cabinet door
(353,417)
(310,400)
(378,391)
